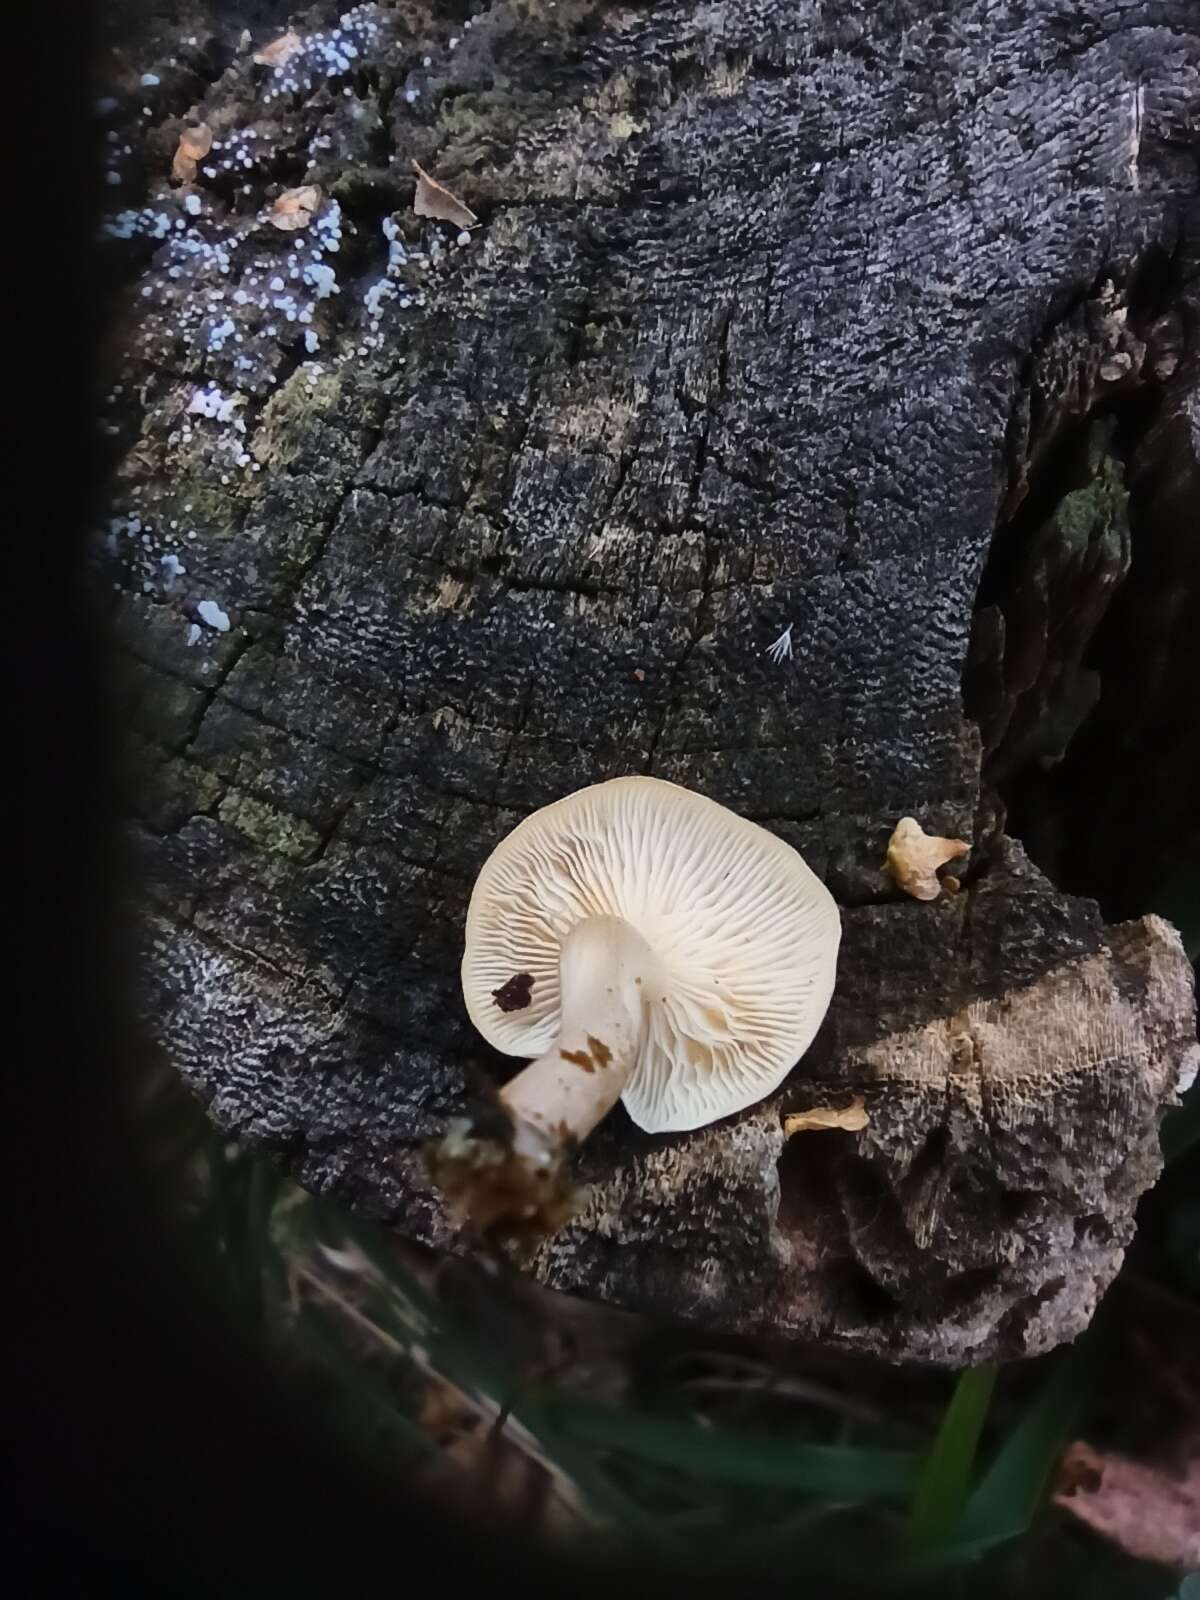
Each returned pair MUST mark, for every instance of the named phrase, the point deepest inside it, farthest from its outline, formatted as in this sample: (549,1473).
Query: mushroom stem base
(516,1182)
(520,1188)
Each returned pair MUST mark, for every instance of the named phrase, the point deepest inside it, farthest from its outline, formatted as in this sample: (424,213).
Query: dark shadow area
(1083,672)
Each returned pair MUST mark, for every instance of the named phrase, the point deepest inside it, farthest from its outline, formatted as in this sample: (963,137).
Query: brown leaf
(445,1411)
(852,1118)
(194,144)
(1150,1514)
(295,208)
(492,1471)
(432,200)
(279,50)
(914,856)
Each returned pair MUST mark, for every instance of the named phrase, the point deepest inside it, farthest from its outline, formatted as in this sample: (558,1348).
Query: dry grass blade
(743,1376)
(786,1389)
(482,1436)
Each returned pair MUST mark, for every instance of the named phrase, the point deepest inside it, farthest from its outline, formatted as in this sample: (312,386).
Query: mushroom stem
(607,973)
(605,969)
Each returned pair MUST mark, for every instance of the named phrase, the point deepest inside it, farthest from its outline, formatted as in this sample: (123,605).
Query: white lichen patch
(226,306)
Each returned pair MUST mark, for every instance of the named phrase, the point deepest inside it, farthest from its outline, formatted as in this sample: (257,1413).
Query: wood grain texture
(761,326)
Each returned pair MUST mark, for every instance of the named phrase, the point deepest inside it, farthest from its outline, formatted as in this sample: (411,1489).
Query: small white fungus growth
(150,80)
(463,239)
(192,204)
(375,297)
(193,634)
(322,279)
(172,568)
(311,342)
(210,402)
(210,612)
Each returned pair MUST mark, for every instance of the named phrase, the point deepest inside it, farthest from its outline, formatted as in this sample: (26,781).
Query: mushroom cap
(746,934)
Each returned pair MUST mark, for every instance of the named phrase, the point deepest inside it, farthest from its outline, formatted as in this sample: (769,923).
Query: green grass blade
(360,1402)
(1011,1492)
(834,1471)
(941,1495)
(621,1511)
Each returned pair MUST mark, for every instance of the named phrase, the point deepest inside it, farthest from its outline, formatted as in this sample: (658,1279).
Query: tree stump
(776,321)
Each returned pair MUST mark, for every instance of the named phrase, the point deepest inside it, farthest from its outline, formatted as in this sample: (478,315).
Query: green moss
(272,830)
(180,789)
(498,117)
(361,187)
(164,790)
(291,412)
(1098,513)
(200,502)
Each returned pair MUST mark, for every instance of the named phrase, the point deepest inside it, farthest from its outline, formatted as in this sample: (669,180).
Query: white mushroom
(644,944)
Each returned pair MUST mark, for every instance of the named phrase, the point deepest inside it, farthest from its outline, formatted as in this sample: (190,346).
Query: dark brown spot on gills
(515,994)
(580,1058)
(600,1050)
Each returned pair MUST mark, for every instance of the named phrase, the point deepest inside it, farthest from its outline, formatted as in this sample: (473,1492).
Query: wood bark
(779,315)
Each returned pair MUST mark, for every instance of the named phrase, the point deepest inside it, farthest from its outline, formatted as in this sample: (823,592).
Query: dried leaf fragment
(432,200)
(852,1118)
(491,1469)
(194,144)
(295,208)
(280,50)
(1150,1514)
(914,856)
